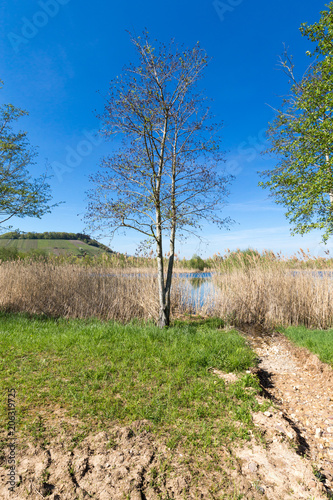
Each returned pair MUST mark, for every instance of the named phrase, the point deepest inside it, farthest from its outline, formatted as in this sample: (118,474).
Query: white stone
(318,432)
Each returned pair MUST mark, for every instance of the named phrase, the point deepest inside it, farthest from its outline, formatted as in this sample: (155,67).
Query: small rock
(253,467)
(318,433)
(260,489)
(328,474)
(330,430)
(267,413)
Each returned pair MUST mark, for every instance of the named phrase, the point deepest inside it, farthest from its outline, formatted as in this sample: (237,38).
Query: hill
(53,243)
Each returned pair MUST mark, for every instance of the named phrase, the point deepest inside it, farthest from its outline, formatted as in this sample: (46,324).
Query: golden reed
(248,288)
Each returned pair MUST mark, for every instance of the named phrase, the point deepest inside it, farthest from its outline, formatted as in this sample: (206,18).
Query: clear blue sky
(57,54)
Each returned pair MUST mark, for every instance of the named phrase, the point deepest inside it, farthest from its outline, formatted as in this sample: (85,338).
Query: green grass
(51,246)
(106,373)
(320,342)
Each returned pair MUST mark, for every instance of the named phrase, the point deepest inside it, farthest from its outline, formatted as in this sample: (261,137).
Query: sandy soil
(122,463)
(131,463)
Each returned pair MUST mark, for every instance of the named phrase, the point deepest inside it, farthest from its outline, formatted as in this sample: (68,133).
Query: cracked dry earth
(129,463)
(125,463)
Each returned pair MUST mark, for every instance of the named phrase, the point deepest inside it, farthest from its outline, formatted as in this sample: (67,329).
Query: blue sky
(58,57)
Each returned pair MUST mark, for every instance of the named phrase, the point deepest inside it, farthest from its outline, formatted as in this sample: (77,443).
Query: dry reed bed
(70,290)
(275,295)
(252,293)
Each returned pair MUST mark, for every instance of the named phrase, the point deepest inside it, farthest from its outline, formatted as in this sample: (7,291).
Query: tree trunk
(163,319)
(330,172)
(164,312)
(170,270)
(172,237)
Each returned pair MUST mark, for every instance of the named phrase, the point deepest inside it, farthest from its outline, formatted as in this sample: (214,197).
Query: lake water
(197,288)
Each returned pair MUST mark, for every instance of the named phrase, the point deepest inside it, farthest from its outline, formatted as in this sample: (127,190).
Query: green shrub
(9,254)
(197,263)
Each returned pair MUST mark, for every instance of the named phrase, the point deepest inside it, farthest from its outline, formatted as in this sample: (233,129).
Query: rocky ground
(293,462)
(301,390)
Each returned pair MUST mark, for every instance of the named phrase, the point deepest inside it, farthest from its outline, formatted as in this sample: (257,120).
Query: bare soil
(122,463)
(300,387)
(130,462)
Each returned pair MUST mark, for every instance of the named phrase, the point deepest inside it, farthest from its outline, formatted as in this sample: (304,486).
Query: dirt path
(301,389)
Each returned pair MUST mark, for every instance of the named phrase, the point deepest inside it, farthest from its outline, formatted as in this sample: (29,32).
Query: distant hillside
(54,242)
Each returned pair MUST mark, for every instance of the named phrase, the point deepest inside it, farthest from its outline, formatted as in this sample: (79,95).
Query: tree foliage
(301,136)
(20,194)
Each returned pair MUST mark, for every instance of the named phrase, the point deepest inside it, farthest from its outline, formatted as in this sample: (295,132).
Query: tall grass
(249,288)
(263,289)
(76,291)
(70,290)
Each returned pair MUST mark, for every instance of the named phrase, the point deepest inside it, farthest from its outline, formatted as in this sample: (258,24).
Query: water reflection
(196,282)
(196,289)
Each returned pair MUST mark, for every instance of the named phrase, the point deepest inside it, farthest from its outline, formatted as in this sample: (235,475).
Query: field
(56,247)
(104,372)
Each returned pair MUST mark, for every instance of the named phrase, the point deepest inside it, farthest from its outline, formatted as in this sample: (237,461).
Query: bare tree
(167,176)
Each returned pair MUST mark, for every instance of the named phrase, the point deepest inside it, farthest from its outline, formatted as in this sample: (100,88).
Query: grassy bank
(320,342)
(104,373)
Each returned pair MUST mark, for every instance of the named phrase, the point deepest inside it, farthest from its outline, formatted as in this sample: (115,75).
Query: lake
(197,289)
